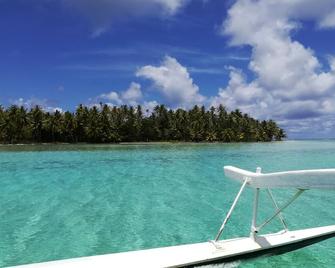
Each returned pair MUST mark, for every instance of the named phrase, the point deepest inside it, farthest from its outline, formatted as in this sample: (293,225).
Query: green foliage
(105,124)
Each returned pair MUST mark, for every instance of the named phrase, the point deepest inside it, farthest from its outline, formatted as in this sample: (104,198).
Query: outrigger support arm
(294,197)
(231,210)
(280,215)
(254,215)
(255,210)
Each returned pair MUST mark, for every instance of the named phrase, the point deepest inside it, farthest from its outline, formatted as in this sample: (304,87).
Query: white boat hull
(201,253)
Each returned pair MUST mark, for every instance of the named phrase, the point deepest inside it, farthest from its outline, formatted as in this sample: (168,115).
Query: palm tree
(15,124)
(69,128)
(3,121)
(81,118)
(36,123)
(93,125)
(182,125)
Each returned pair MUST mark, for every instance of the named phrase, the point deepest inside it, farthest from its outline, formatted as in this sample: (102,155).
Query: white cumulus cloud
(44,104)
(173,81)
(130,96)
(133,93)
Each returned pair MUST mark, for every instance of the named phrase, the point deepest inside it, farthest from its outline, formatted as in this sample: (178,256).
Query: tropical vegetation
(107,124)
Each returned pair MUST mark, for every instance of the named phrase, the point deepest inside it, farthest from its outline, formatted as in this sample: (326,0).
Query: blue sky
(271,59)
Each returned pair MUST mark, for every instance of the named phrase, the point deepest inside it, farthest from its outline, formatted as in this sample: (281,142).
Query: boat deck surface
(193,254)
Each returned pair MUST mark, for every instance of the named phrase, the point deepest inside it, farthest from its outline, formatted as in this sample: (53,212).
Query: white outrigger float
(217,251)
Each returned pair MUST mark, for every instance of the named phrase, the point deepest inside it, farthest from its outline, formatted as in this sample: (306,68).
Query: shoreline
(138,143)
(151,143)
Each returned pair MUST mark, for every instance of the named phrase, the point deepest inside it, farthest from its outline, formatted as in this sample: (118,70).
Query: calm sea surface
(65,201)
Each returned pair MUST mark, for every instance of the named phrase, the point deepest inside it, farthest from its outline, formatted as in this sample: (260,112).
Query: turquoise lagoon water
(65,201)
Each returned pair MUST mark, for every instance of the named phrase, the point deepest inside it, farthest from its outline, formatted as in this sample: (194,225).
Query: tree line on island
(107,124)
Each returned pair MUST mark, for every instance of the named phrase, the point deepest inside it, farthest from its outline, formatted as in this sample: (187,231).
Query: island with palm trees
(112,124)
